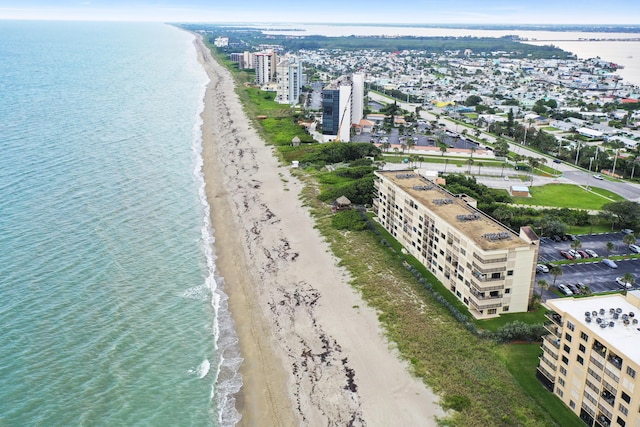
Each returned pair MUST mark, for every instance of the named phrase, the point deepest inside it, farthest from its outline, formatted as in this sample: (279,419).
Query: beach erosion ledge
(314,353)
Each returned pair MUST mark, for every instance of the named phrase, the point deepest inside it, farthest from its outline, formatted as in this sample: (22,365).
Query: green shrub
(349,220)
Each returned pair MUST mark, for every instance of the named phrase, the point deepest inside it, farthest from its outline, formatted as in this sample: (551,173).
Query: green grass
(472,116)
(550,129)
(530,318)
(521,360)
(565,196)
(607,194)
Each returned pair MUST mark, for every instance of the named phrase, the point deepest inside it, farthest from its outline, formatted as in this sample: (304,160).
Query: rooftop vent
(496,236)
(468,217)
(405,175)
(441,202)
(423,187)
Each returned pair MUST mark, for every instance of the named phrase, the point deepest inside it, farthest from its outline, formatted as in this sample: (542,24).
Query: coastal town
(496,108)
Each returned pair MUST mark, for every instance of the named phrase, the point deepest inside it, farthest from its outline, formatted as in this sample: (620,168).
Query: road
(570,174)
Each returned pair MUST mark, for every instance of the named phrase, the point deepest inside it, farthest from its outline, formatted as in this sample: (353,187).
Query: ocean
(112,312)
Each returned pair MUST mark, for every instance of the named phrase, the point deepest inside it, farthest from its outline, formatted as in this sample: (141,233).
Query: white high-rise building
(357,98)
(265,63)
(289,80)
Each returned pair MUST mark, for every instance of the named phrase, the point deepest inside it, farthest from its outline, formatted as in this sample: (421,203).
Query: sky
(332,11)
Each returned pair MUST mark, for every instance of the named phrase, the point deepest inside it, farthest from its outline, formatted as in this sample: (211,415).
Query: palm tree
(443,148)
(410,143)
(479,166)
(386,146)
(593,220)
(446,162)
(543,285)
(629,240)
(469,162)
(473,149)
(576,244)
(629,278)
(555,272)
(610,247)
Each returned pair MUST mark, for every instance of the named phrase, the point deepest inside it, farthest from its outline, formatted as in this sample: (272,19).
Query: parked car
(556,238)
(591,253)
(540,268)
(635,248)
(623,284)
(549,265)
(598,176)
(581,286)
(571,237)
(626,231)
(565,290)
(584,254)
(609,263)
(557,161)
(566,254)
(574,254)
(573,288)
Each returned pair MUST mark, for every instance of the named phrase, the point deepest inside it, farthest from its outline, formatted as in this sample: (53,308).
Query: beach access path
(314,353)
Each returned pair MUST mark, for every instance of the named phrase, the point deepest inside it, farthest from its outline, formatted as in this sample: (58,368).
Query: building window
(567,337)
(559,392)
(507,291)
(561,382)
(509,272)
(462,252)
(623,409)
(621,422)
(582,348)
(584,336)
(570,326)
(505,308)
(565,360)
(580,360)
(626,397)
(631,372)
(567,349)
(572,404)
(563,371)
(492,311)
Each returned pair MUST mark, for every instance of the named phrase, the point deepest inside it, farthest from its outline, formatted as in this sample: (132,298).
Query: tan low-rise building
(486,265)
(591,357)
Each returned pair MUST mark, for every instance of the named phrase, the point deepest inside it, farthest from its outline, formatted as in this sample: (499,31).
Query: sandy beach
(314,353)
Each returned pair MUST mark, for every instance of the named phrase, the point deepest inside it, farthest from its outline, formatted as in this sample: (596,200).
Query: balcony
(484,305)
(552,328)
(549,351)
(554,317)
(599,348)
(553,341)
(615,360)
(608,397)
(548,363)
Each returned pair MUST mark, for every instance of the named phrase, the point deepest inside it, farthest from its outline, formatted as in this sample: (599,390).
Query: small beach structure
(340,204)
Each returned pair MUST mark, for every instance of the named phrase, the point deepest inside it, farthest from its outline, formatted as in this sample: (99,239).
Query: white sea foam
(226,357)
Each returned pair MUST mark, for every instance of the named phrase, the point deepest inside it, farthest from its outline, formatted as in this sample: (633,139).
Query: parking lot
(596,275)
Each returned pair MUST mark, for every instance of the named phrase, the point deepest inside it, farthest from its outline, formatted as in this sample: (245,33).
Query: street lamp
(589,176)
(577,153)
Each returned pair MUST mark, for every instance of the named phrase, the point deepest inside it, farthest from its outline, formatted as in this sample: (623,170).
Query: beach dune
(314,353)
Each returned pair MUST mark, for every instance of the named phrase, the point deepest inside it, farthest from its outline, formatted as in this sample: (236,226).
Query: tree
(626,213)
(443,148)
(576,244)
(470,163)
(629,240)
(543,285)
(473,149)
(472,100)
(410,143)
(609,247)
(555,272)
(386,145)
(629,278)
(446,162)
(593,220)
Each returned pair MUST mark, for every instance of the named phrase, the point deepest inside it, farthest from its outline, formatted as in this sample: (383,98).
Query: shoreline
(314,353)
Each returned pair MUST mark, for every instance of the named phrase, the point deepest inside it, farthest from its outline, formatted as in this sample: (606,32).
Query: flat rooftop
(624,337)
(486,232)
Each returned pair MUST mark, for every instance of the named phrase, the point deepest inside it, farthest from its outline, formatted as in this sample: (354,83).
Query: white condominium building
(591,358)
(487,266)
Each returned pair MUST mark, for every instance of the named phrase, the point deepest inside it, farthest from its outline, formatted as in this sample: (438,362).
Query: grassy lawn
(521,360)
(472,116)
(566,196)
(550,129)
(607,194)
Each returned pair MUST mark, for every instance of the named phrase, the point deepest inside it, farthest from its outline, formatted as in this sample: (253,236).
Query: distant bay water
(111,311)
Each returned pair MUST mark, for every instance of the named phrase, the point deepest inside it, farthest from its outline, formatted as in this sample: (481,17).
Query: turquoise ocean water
(110,307)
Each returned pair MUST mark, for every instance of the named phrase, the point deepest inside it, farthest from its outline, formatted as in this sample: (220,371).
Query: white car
(623,284)
(591,253)
(609,263)
(635,248)
(565,290)
(575,254)
(541,268)
(598,176)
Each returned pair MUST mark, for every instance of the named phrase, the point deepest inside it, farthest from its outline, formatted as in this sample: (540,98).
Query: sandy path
(314,353)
